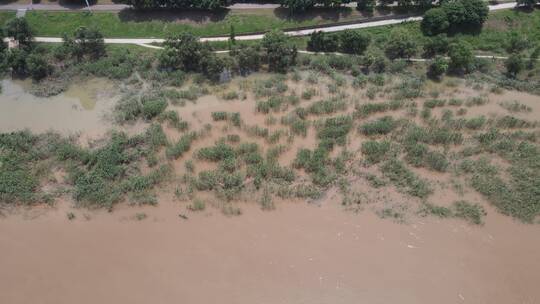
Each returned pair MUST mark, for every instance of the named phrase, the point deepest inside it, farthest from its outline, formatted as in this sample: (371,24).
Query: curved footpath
(146,42)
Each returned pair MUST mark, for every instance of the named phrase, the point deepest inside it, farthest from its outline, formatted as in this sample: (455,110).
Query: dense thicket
(455,16)
(349,42)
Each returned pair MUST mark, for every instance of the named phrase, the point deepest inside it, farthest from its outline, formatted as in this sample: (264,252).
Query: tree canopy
(280,51)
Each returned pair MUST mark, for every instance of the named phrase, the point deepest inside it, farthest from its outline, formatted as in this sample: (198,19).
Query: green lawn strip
(112,25)
(5,16)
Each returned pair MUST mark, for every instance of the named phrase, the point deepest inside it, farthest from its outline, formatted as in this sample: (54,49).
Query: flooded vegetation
(433,148)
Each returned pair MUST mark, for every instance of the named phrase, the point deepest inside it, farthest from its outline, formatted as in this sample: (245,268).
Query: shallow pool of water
(82,108)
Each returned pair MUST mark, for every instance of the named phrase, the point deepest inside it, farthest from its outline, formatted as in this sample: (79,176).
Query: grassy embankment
(129,24)
(491,40)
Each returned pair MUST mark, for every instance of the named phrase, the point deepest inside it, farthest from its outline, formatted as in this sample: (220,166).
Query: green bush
(153,107)
(380,126)
(216,153)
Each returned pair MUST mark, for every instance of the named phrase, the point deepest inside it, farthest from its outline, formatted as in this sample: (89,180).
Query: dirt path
(297,254)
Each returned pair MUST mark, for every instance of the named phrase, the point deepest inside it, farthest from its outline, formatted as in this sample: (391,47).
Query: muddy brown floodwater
(297,254)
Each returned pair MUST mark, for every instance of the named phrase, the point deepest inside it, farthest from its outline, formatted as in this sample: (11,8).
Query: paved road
(147,41)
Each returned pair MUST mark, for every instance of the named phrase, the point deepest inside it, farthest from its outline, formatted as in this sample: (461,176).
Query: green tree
(85,43)
(232,37)
(404,5)
(437,68)
(367,6)
(400,44)
(436,45)
(296,6)
(533,58)
(476,12)
(182,51)
(353,42)
(3,44)
(514,64)
(423,4)
(465,15)
(248,59)
(435,21)
(280,51)
(212,66)
(516,42)
(20,31)
(37,66)
(461,57)
(322,42)
(16,59)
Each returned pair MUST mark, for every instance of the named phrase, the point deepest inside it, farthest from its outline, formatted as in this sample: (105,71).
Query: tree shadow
(193,16)
(71,4)
(334,14)
(3,2)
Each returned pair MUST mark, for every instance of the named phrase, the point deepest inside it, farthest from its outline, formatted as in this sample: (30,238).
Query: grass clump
(375,151)
(380,126)
(197,205)
(217,116)
(173,120)
(439,211)
(334,130)
(405,179)
(433,103)
(515,107)
(366,109)
(433,135)
(181,146)
(473,213)
(327,106)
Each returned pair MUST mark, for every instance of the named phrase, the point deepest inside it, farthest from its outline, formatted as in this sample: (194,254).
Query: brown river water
(299,253)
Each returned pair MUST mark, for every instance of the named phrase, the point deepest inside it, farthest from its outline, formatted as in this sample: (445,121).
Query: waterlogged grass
(98,177)
(401,176)
(20,177)
(238,168)
(473,213)
(518,193)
